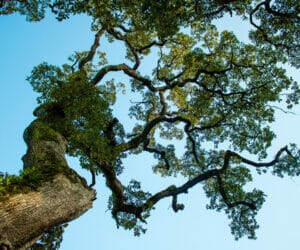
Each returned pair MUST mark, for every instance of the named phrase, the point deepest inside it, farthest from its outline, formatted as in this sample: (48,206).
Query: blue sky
(24,45)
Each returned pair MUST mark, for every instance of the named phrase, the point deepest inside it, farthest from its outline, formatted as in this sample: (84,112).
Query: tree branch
(230,154)
(127,70)
(225,198)
(92,51)
(148,46)
(265,36)
(280,14)
(148,127)
(174,191)
(121,37)
(156,151)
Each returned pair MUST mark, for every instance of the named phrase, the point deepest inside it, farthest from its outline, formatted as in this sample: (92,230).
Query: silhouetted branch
(92,51)
(230,154)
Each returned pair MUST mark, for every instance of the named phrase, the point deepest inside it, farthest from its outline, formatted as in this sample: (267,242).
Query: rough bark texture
(24,217)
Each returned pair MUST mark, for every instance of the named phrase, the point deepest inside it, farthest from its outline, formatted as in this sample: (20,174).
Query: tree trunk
(25,216)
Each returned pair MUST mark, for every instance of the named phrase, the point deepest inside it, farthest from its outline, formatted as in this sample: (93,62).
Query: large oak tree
(208,91)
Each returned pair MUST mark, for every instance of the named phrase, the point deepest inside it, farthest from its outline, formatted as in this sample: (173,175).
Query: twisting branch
(120,202)
(193,142)
(257,7)
(220,122)
(135,51)
(161,153)
(92,51)
(280,14)
(123,28)
(230,154)
(282,110)
(127,70)
(174,82)
(173,191)
(130,71)
(108,171)
(117,35)
(265,36)
(163,103)
(147,129)
(150,45)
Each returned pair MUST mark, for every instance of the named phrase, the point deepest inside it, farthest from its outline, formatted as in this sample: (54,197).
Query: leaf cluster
(207,91)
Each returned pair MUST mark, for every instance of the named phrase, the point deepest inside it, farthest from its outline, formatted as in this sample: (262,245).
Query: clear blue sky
(24,45)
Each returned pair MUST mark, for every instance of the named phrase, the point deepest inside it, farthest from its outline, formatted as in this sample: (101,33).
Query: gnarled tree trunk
(24,217)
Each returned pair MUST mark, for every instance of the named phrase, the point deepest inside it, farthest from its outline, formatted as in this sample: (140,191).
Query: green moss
(41,131)
(42,162)
(28,180)
(32,178)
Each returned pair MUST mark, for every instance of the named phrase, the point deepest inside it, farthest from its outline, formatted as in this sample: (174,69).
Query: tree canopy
(207,90)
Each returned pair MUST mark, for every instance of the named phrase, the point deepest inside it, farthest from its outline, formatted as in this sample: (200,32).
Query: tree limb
(127,70)
(92,51)
(230,154)
(225,198)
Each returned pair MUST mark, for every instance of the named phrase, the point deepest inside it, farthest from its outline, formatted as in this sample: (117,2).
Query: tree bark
(25,216)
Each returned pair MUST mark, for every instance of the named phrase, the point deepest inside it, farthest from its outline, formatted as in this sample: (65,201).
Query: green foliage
(242,218)
(51,240)
(208,91)
(270,19)
(44,78)
(137,197)
(15,184)
(289,164)
(29,179)
(84,112)
(42,131)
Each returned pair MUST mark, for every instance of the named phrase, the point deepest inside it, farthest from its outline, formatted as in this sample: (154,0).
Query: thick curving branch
(229,154)
(176,82)
(174,191)
(171,191)
(92,51)
(130,71)
(117,35)
(127,70)
(120,199)
(133,143)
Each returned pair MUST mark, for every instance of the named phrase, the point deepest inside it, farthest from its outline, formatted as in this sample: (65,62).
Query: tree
(207,89)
